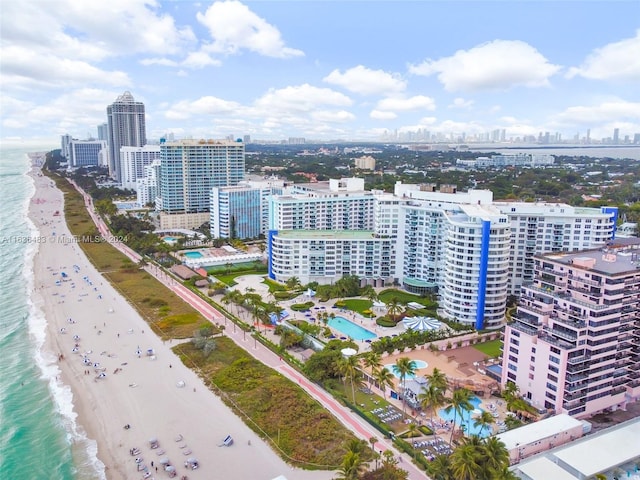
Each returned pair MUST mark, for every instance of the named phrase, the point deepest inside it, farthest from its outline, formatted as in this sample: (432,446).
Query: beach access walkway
(358,426)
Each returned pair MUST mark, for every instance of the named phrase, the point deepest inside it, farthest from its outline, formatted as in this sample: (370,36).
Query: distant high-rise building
(126,128)
(616,136)
(85,153)
(65,145)
(133,161)
(189,169)
(103,132)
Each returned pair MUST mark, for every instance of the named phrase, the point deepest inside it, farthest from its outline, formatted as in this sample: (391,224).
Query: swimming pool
(193,254)
(350,329)
(170,239)
(419,365)
(468,418)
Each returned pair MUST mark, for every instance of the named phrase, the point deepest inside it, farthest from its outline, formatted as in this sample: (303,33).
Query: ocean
(39,436)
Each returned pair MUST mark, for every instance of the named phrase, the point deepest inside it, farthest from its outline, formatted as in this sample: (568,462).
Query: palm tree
(384,378)
(371,360)
(404,367)
(439,379)
(485,419)
(369,292)
(466,462)
(349,368)
(394,308)
(459,402)
(510,393)
(351,467)
(495,456)
(440,468)
(432,398)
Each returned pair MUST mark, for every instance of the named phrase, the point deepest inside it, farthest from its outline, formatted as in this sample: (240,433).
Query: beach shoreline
(120,373)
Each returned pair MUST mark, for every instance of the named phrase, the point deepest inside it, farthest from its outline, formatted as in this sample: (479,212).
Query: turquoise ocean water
(39,437)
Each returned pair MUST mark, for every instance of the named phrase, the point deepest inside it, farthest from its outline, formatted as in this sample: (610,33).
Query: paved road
(359,427)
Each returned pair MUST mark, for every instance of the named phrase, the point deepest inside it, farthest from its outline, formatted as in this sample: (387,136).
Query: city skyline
(323,70)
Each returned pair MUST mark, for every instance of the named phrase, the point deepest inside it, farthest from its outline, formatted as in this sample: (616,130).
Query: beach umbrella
(348,352)
(164,461)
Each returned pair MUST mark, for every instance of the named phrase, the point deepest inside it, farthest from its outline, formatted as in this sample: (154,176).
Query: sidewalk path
(358,426)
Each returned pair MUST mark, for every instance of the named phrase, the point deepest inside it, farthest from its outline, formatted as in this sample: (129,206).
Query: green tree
(440,468)
(394,308)
(371,361)
(404,367)
(431,398)
(466,461)
(384,378)
(348,366)
(459,403)
(484,420)
(495,456)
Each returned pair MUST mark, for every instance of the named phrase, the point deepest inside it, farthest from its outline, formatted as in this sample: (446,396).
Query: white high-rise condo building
(461,245)
(552,227)
(126,128)
(189,169)
(574,345)
(133,161)
(148,186)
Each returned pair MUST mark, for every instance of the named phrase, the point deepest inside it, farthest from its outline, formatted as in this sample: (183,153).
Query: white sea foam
(47,363)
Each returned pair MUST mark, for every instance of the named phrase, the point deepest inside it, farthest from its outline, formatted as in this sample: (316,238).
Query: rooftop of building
(621,256)
(537,431)
(327,234)
(201,142)
(587,456)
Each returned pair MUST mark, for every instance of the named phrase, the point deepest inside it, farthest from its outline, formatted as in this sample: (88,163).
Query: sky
(322,70)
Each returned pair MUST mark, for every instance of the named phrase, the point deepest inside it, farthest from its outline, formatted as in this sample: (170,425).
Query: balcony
(577,360)
(572,397)
(565,334)
(570,323)
(524,329)
(569,405)
(556,341)
(584,280)
(577,377)
(618,391)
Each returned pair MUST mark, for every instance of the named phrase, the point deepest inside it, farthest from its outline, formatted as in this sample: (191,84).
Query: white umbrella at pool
(421,324)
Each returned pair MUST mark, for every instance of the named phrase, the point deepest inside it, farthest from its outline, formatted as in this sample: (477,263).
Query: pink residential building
(574,344)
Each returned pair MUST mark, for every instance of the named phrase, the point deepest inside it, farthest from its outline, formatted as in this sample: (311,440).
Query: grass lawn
(357,305)
(404,297)
(230,278)
(271,405)
(490,348)
(274,286)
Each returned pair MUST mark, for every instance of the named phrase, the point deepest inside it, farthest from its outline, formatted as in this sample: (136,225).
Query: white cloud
(301,98)
(340,116)
(610,111)
(495,65)
(121,27)
(24,68)
(365,81)
(618,60)
(234,27)
(201,107)
(418,102)
(73,112)
(461,103)
(379,115)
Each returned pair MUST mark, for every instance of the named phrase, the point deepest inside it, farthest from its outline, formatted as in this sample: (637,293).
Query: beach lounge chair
(227,442)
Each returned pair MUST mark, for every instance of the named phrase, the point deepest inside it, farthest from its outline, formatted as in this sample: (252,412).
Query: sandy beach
(121,373)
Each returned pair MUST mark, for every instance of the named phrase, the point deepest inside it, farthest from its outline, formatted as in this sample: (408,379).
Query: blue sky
(324,70)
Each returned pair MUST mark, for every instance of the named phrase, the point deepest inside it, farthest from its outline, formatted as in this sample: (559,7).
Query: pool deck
(456,363)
